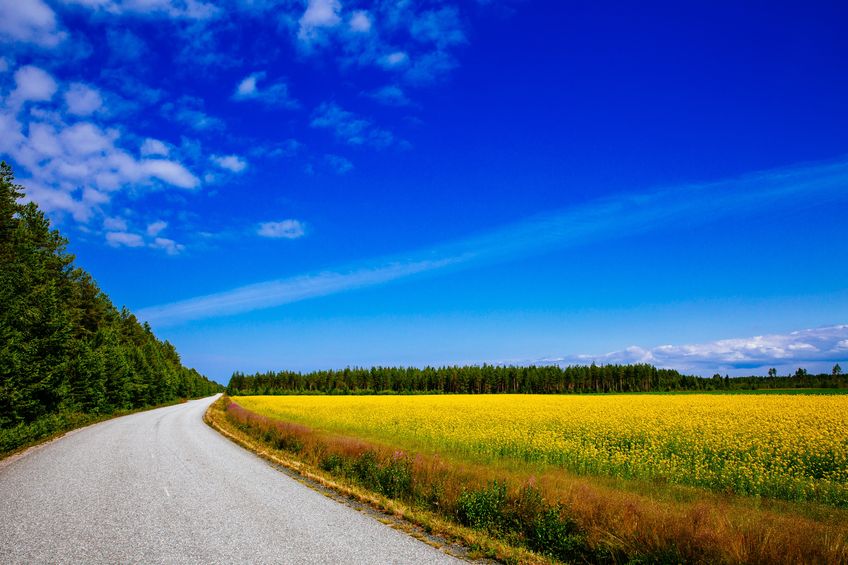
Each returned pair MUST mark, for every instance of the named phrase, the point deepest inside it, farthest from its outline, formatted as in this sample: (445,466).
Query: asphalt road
(162,487)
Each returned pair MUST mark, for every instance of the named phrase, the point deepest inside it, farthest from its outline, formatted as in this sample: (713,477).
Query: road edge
(454,540)
(10,457)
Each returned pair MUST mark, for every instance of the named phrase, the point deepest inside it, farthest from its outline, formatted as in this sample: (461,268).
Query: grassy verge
(516,515)
(431,527)
(22,437)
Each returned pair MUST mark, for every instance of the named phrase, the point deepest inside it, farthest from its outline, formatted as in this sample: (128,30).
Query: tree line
(64,347)
(493,379)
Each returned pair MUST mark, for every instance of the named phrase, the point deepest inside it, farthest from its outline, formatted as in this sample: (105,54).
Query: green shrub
(366,471)
(396,478)
(483,509)
(332,463)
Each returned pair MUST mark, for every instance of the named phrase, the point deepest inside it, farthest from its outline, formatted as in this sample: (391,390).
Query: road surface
(163,487)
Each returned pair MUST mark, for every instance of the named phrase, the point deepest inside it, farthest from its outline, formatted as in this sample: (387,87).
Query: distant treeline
(489,379)
(64,347)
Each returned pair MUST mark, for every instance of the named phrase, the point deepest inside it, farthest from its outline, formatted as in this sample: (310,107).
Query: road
(163,487)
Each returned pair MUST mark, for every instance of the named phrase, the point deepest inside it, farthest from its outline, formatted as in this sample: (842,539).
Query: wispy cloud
(338,164)
(273,94)
(169,246)
(360,22)
(190,110)
(155,228)
(612,217)
(350,128)
(174,9)
(406,38)
(155,147)
(119,234)
(390,95)
(819,346)
(121,238)
(276,293)
(285,229)
(440,27)
(232,163)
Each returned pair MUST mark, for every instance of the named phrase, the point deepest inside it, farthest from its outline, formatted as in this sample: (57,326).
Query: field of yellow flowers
(793,447)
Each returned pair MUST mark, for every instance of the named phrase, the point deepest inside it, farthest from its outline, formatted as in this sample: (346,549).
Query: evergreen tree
(64,347)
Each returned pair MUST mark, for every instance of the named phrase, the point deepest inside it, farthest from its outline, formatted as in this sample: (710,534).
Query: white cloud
(232,163)
(247,87)
(125,239)
(73,168)
(49,199)
(114,224)
(319,15)
(4,64)
(411,38)
(274,94)
(170,172)
(32,84)
(29,21)
(393,60)
(744,355)
(85,138)
(155,228)
(82,100)
(155,147)
(350,128)
(360,22)
(286,229)
(170,246)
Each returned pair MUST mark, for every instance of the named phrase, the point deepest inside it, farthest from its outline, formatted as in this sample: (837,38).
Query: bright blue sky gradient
(310,185)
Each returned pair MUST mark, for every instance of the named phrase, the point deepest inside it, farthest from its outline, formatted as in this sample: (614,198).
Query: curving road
(162,487)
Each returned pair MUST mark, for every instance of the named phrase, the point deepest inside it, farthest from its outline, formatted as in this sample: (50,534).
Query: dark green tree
(64,347)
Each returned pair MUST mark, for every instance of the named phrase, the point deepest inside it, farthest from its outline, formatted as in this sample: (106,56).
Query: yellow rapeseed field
(786,446)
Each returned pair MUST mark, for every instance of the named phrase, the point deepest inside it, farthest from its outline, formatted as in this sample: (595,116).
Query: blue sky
(317,184)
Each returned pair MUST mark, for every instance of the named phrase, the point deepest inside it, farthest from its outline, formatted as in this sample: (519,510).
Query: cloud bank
(820,347)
